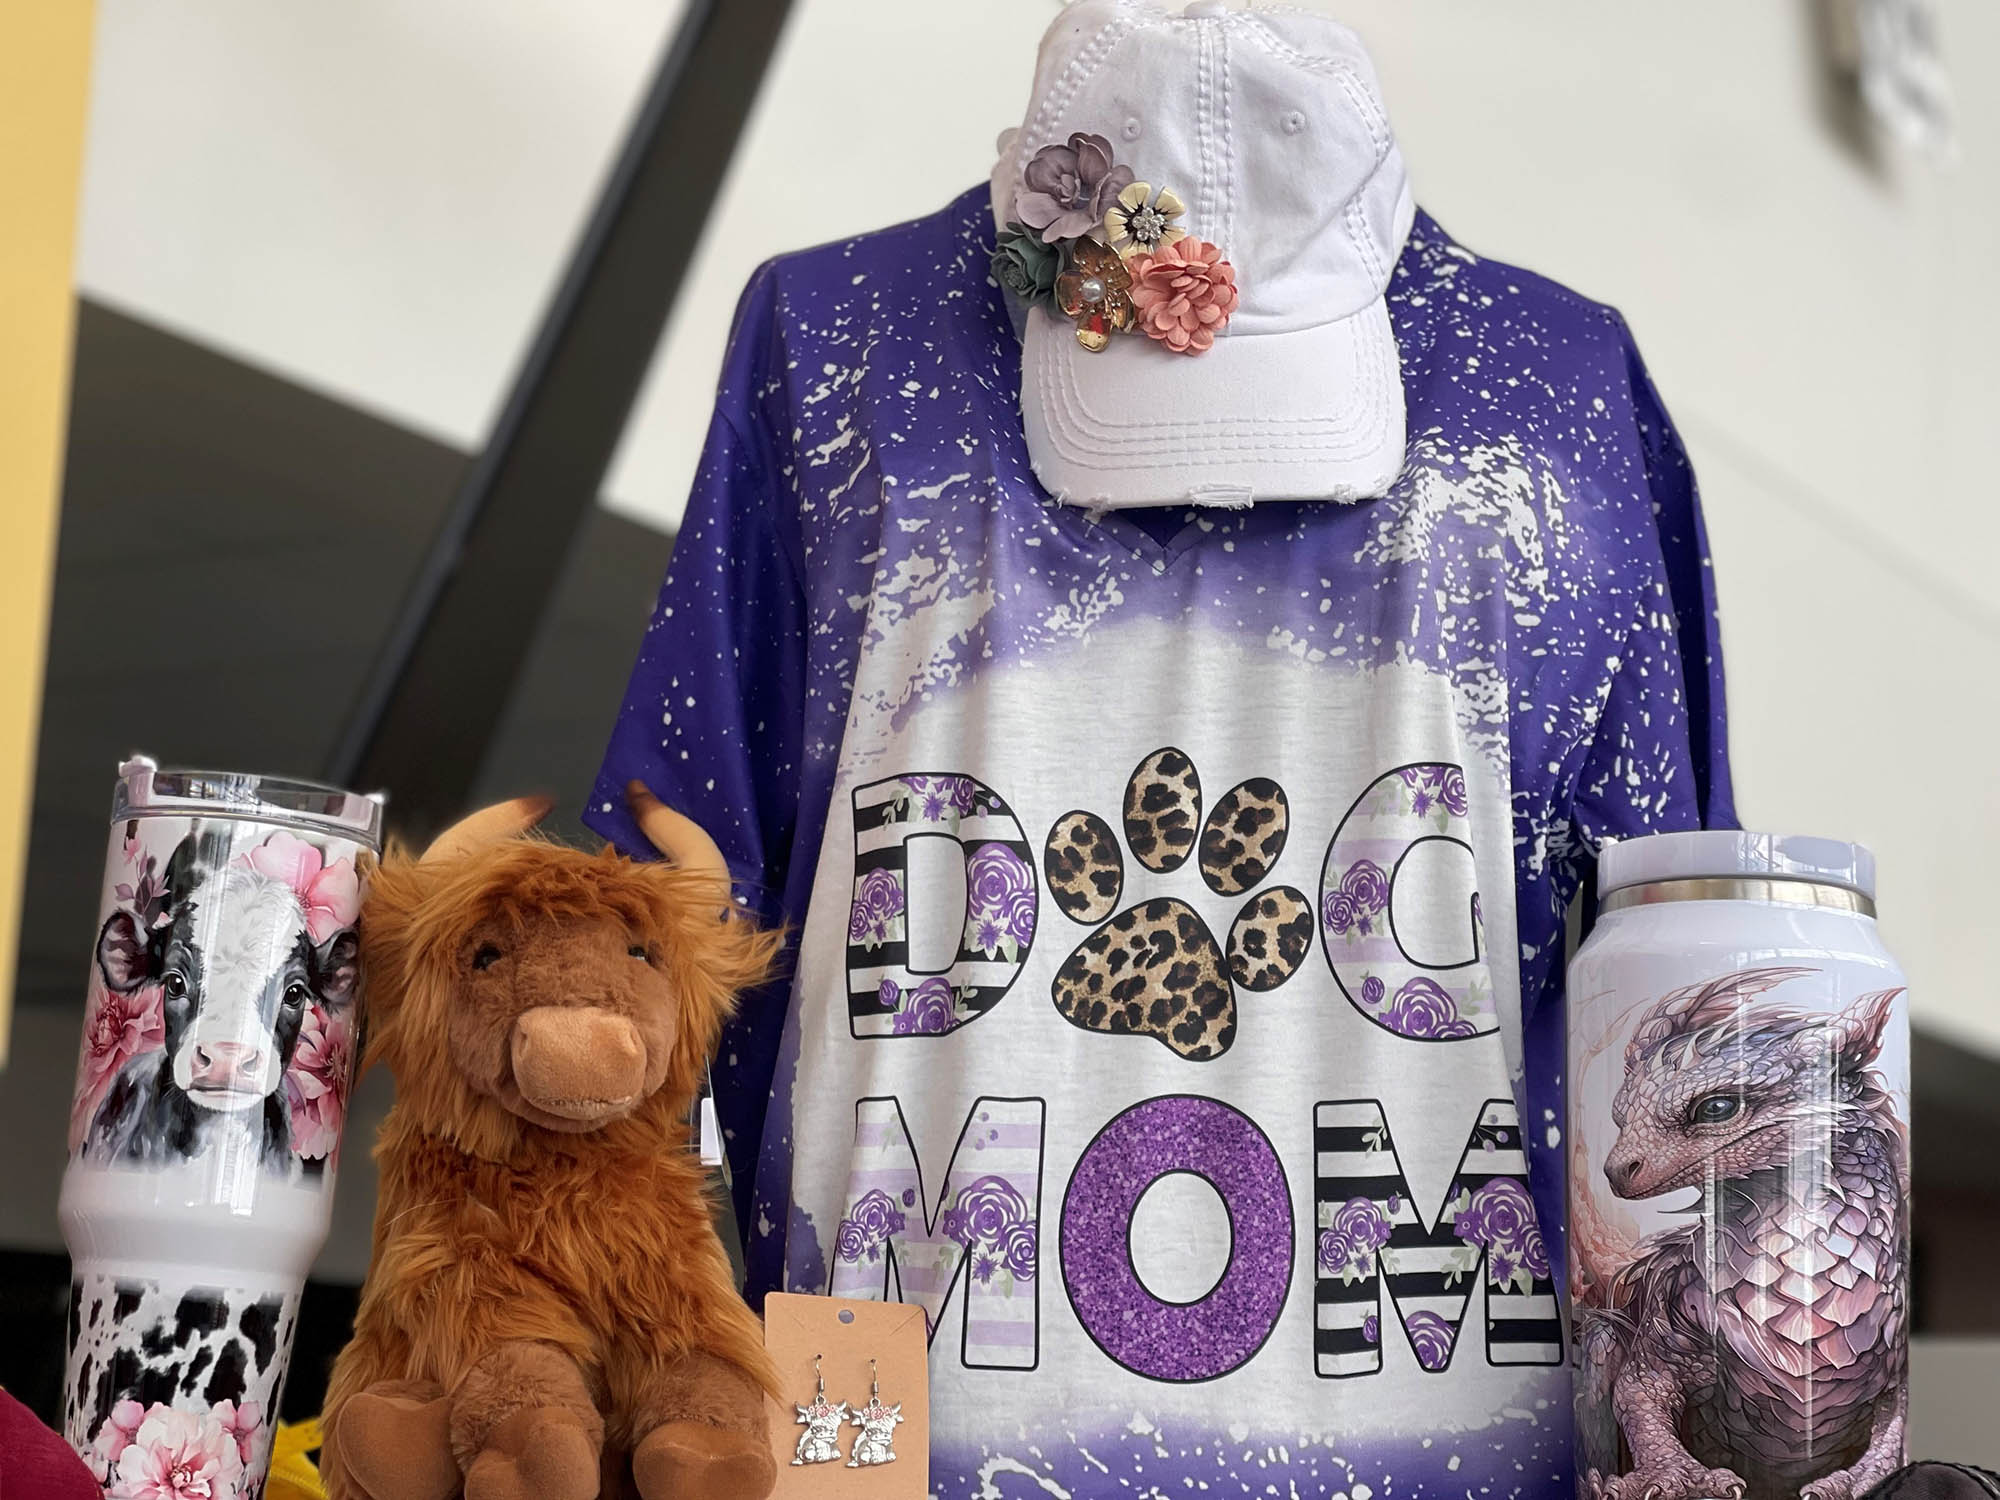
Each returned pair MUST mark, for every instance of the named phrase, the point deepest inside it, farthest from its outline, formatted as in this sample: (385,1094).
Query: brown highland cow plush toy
(549,1314)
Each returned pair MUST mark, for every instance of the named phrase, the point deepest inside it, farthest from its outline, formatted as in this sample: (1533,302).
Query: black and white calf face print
(223,996)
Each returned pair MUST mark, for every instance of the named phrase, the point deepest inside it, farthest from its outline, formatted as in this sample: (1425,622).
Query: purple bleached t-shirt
(1175,1005)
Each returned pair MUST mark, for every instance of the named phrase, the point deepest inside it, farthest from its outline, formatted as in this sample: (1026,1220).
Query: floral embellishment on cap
(1095,292)
(1099,247)
(1141,221)
(1067,189)
(1026,264)
(1183,295)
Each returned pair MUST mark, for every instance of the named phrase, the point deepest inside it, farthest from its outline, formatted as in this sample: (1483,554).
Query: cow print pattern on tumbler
(179,1346)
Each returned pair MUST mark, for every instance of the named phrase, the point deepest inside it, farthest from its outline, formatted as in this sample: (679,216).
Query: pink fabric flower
(241,1423)
(329,893)
(120,1027)
(1184,294)
(178,1455)
(316,1084)
(114,1437)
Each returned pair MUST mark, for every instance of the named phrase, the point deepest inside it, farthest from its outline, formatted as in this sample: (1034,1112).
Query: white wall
(375,196)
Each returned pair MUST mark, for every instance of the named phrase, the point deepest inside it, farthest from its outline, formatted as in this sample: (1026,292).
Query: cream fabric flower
(1140,221)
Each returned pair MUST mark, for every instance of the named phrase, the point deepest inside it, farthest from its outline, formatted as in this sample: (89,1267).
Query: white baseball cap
(1268,125)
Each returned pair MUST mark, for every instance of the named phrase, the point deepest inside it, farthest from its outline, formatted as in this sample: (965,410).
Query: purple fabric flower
(1336,912)
(1366,886)
(1067,189)
(1501,1217)
(1336,1252)
(1372,990)
(850,1241)
(1424,1008)
(1000,887)
(928,1010)
(1535,1253)
(1435,785)
(1431,1337)
(984,1211)
(1497,1215)
(1371,1329)
(1022,1249)
(941,796)
(864,1231)
(878,900)
(1451,791)
(983,1267)
(888,994)
(1364,1223)
(1358,1230)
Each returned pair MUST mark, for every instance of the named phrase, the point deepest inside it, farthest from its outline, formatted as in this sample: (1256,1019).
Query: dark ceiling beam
(433,698)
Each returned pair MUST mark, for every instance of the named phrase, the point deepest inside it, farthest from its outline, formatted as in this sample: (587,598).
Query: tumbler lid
(145,788)
(1721,854)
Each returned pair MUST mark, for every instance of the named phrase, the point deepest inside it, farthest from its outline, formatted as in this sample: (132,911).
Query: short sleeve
(713,720)
(1657,757)
(1659,760)
(713,717)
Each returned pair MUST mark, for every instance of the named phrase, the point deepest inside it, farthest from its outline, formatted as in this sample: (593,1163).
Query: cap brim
(1315,414)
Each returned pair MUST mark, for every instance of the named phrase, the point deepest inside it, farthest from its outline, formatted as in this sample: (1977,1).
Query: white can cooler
(1738,1174)
(219,1045)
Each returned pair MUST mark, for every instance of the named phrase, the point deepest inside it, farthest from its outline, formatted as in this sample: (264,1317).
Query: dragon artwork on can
(1756,1351)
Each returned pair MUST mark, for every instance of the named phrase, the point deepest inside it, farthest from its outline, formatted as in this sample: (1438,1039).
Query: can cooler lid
(1719,854)
(146,787)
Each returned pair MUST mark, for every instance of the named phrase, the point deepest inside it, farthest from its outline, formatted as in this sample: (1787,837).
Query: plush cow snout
(578,1062)
(228,1065)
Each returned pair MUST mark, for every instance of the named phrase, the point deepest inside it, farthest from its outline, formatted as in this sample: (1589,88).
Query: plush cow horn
(490,825)
(678,837)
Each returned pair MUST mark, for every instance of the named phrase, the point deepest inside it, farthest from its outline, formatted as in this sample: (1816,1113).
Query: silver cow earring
(820,1442)
(878,1423)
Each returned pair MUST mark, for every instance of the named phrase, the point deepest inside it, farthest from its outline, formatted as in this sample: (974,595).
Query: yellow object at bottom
(293,1476)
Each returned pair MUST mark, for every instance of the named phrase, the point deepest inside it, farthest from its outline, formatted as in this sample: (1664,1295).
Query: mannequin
(1176,1006)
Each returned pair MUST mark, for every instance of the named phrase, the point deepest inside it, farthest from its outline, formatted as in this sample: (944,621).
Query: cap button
(1203,10)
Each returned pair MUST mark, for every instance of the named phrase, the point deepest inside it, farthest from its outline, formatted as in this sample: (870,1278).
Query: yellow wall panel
(44,86)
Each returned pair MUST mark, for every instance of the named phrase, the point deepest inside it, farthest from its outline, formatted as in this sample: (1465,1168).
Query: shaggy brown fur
(548,1309)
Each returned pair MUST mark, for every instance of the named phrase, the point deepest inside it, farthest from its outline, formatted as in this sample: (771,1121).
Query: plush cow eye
(1716,1109)
(176,985)
(486,957)
(638,951)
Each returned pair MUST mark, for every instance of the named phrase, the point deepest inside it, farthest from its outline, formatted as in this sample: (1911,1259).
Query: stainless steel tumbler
(218,1050)
(1739,1174)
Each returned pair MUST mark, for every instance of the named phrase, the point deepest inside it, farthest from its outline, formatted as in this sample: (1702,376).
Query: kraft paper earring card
(852,1373)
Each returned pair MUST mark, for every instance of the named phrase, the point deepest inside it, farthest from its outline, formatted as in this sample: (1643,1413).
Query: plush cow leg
(393,1441)
(524,1426)
(699,1430)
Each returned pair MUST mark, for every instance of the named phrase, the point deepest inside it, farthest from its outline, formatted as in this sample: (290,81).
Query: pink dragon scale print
(1751,1343)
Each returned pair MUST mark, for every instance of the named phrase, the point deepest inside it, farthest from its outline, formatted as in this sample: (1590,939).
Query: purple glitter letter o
(1168,1340)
